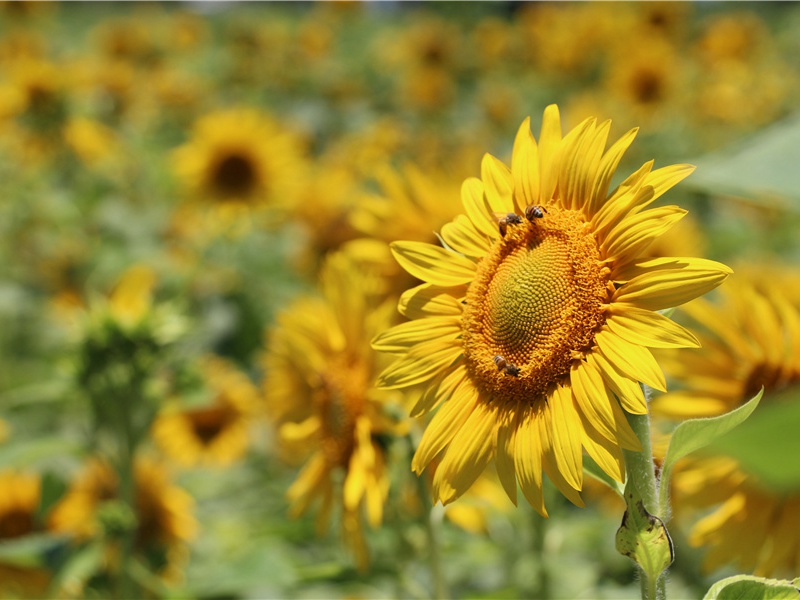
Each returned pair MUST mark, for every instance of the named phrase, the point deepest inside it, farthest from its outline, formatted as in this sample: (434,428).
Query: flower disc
(536,301)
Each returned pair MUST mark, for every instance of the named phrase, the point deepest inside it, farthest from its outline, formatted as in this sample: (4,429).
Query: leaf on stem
(643,537)
(755,588)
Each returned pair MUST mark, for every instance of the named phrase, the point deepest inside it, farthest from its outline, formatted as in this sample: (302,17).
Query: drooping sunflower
(239,156)
(216,433)
(164,512)
(533,327)
(750,339)
(319,389)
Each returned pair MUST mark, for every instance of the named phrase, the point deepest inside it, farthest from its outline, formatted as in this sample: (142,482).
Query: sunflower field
(400,300)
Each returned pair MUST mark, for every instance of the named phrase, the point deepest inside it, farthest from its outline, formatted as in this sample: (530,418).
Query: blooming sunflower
(212,434)
(532,329)
(320,369)
(750,339)
(239,156)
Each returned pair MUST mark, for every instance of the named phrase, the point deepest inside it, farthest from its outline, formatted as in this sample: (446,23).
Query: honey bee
(508,219)
(508,367)
(534,212)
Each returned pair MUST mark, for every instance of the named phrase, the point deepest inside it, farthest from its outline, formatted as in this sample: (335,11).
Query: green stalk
(433,519)
(641,473)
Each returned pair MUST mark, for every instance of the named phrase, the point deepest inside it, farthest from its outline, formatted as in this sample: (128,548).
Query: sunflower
(215,433)
(239,156)
(320,370)
(164,520)
(20,496)
(532,329)
(750,339)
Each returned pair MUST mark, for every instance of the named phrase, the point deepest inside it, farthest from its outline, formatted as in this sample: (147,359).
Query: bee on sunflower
(532,330)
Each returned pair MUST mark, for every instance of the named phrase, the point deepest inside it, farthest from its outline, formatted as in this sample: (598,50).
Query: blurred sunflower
(20,496)
(532,329)
(319,375)
(239,156)
(212,434)
(750,339)
(164,522)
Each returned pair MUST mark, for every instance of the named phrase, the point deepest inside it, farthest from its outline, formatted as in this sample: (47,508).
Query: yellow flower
(750,339)
(163,511)
(90,140)
(319,375)
(533,325)
(20,496)
(239,156)
(132,296)
(215,433)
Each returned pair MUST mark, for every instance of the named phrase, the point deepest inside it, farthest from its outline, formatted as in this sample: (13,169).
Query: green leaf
(763,168)
(644,537)
(694,434)
(740,587)
(29,550)
(757,445)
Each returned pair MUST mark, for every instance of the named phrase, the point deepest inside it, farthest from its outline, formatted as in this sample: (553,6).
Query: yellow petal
(604,452)
(450,417)
(420,364)
(629,392)
(632,235)
(631,359)
(467,455)
(528,460)
(439,391)
(648,328)
(598,407)
(498,184)
(402,337)
(661,180)
(525,169)
(549,153)
(665,287)
(566,437)
(549,463)
(572,165)
(427,300)
(607,168)
(461,235)
(504,459)
(478,209)
(433,264)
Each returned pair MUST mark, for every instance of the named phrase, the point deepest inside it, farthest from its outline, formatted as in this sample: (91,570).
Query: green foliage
(741,587)
(694,434)
(770,432)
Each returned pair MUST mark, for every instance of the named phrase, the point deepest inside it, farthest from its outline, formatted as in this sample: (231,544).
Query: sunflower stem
(641,474)
(433,518)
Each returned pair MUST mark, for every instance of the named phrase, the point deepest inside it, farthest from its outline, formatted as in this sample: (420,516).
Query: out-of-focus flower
(750,339)
(20,495)
(320,371)
(533,327)
(90,140)
(215,433)
(239,156)
(163,513)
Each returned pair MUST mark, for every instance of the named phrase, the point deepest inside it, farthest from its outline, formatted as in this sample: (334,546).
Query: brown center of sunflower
(534,306)
(234,175)
(15,523)
(341,399)
(208,423)
(648,86)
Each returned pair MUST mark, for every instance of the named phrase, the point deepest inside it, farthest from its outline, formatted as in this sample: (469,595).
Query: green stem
(641,473)
(127,491)
(433,519)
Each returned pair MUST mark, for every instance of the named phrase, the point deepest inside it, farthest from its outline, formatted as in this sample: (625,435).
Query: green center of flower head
(534,305)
